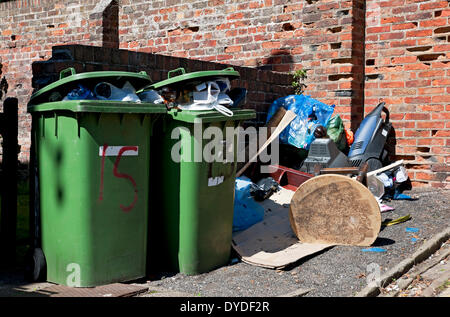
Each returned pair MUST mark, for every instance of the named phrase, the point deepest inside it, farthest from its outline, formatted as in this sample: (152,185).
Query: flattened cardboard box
(271,243)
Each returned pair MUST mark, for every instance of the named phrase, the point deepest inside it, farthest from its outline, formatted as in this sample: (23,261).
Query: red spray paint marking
(105,146)
(119,175)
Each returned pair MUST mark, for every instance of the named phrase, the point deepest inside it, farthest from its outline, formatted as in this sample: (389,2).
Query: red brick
(430,125)
(402,142)
(432,73)
(414,100)
(433,5)
(403,26)
(441,98)
(417,116)
(394,84)
(418,83)
(431,90)
(392,20)
(440,150)
(378,29)
(435,22)
(271,45)
(441,82)
(431,141)
(441,48)
(417,133)
(424,176)
(404,9)
(392,36)
(403,43)
(404,59)
(58,32)
(419,33)
(392,3)
(418,66)
(233,49)
(431,107)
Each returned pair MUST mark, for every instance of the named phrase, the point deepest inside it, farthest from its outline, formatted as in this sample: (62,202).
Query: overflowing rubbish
(376,186)
(79,93)
(361,159)
(107,91)
(207,96)
(333,196)
(151,96)
(335,130)
(198,91)
(246,211)
(324,152)
(195,91)
(264,188)
(310,113)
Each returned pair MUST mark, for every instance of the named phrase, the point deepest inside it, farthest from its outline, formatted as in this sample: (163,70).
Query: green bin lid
(69,79)
(192,78)
(99,106)
(192,116)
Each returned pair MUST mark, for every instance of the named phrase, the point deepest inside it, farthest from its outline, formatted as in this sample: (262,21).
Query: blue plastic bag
(80,93)
(310,114)
(247,211)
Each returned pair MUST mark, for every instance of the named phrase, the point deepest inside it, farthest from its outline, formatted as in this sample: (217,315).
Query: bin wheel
(35,269)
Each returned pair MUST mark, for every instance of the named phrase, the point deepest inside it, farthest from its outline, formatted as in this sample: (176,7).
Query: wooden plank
(335,209)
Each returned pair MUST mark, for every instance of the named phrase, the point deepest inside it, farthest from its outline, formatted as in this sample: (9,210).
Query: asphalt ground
(337,271)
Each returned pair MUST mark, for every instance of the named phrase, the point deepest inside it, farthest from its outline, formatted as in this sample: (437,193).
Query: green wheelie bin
(191,215)
(93,178)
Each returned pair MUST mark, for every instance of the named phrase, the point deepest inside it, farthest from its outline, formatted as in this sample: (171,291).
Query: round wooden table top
(335,209)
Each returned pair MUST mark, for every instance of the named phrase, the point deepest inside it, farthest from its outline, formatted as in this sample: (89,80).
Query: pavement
(413,264)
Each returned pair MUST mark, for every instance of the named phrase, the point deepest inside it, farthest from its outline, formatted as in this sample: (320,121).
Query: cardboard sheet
(271,243)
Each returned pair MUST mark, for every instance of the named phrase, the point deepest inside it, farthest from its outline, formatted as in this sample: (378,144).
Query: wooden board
(335,209)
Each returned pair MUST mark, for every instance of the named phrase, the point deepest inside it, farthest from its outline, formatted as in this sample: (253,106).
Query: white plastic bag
(401,175)
(151,96)
(208,96)
(107,91)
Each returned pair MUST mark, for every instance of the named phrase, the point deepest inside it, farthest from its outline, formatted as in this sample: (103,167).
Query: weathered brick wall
(325,37)
(28,30)
(408,66)
(357,53)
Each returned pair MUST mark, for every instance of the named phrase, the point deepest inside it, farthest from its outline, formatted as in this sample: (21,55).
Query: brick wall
(357,53)
(28,30)
(408,66)
(325,37)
